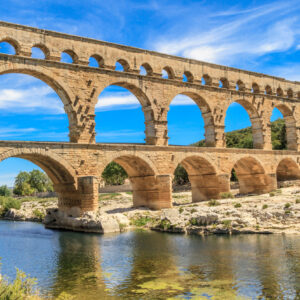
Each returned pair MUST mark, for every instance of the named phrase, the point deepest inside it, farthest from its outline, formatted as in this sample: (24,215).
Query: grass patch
(181,210)
(287,205)
(39,214)
(272,194)
(297,201)
(227,223)
(237,205)
(141,221)
(108,196)
(226,195)
(265,206)
(213,202)
(165,224)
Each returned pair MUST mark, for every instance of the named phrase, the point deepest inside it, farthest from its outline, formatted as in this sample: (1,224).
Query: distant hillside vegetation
(242,138)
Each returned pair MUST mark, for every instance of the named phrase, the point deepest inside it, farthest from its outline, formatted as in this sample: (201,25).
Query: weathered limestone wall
(76,169)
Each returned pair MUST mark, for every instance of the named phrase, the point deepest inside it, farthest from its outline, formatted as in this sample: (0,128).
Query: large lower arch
(59,171)
(205,182)
(149,189)
(209,127)
(252,177)
(287,169)
(290,126)
(256,123)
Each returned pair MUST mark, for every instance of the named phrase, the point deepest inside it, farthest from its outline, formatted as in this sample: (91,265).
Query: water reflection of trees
(78,269)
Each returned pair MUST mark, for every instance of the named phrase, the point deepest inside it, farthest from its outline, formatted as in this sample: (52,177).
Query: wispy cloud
(236,35)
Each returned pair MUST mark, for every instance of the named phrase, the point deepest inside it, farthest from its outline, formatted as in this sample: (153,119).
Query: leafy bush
(297,201)
(287,205)
(213,202)
(180,175)
(21,288)
(5,191)
(141,221)
(39,214)
(265,206)
(227,223)
(114,174)
(237,205)
(226,195)
(9,202)
(272,194)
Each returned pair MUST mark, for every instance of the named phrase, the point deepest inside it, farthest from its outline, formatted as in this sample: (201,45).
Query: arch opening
(122,65)
(187,125)
(146,69)
(8,47)
(168,73)
(96,61)
(188,77)
(287,170)
(255,88)
(69,57)
(243,128)
(40,115)
(40,51)
(123,102)
(142,177)
(224,83)
(251,177)
(283,128)
(206,80)
(199,175)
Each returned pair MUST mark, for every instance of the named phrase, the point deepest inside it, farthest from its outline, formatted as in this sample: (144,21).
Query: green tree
(22,186)
(180,175)
(5,191)
(40,182)
(114,174)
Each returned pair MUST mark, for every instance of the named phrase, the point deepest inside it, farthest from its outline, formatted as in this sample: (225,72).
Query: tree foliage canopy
(114,174)
(28,183)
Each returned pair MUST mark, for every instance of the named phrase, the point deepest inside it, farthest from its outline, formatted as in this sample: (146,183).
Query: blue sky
(262,36)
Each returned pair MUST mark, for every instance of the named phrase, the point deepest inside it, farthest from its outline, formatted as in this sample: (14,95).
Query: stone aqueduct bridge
(76,166)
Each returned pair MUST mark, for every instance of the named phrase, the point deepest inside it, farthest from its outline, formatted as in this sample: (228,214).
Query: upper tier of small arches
(268,87)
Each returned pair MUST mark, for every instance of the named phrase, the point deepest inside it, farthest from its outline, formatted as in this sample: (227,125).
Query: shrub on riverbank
(9,202)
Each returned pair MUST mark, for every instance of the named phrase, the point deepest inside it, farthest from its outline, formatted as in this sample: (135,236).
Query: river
(151,265)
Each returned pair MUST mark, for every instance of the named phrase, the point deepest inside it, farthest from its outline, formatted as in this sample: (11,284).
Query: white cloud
(30,99)
(247,33)
(182,100)
(117,100)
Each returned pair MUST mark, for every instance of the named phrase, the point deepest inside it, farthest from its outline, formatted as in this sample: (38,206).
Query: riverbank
(275,212)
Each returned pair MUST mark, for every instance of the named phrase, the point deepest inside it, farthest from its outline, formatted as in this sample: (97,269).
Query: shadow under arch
(290,126)
(209,126)
(63,93)
(147,186)
(252,177)
(205,182)
(256,123)
(287,169)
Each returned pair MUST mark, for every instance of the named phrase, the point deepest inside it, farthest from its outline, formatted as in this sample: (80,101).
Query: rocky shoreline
(276,212)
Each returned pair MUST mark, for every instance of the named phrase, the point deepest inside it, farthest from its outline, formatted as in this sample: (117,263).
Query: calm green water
(149,265)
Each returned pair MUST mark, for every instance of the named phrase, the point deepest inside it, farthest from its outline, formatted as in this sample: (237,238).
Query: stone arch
(72,54)
(268,90)
(148,68)
(225,83)
(203,177)
(44,49)
(279,92)
(170,72)
(14,43)
(287,169)
(59,170)
(63,92)
(189,76)
(255,88)
(124,63)
(252,176)
(210,140)
(207,79)
(240,85)
(257,125)
(149,189)
(290,125)
(99,60)
(290,93)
